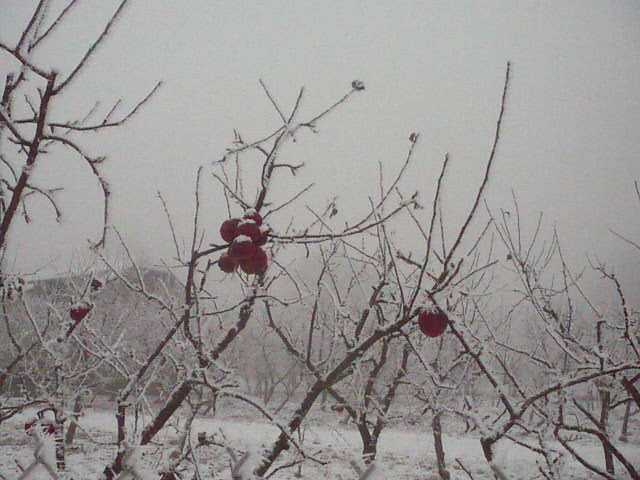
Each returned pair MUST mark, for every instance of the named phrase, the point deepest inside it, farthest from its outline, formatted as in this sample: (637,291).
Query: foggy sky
(570,143)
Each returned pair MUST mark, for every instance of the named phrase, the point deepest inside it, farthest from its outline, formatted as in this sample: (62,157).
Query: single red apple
(256,264)
(252,214)
(48,427)
(79,310)
(229,229)
(227,264)
(257,234)
(433,323)
(250,229)
(242,248)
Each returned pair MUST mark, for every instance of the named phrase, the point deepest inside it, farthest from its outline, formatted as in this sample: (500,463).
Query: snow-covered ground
(403,454)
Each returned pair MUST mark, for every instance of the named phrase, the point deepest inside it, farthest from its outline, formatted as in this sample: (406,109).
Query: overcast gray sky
(570,145)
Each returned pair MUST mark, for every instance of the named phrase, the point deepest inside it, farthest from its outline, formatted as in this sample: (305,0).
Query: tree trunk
(282,443)
(323,400)
(633,391)
(625,423)
(436,425)
(369,444)
(71,432)
(605,398)
(176,399)
(487,450)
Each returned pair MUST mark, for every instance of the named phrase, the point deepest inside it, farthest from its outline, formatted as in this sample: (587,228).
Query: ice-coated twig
(497,470)
(464,469)
(41,454)
(236,464)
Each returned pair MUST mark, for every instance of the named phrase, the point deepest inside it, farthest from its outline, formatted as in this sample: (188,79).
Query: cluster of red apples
(246,236)
(433,323)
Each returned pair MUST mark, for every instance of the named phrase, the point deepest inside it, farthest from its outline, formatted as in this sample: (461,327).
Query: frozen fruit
(79,310)
(227,264)
(252,214)
(242,248)
(432,323)
(229,229)
(256,264)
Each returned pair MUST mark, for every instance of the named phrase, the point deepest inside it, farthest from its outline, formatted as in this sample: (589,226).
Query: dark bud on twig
(413,138)
(96,284)
(357,85)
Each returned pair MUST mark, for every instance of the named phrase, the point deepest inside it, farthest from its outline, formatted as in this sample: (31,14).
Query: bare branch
(487,169)
(85,59)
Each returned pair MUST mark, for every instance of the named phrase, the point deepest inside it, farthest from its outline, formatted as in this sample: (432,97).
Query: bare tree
(568,354)
(28,123)
(204,325)
(29,132)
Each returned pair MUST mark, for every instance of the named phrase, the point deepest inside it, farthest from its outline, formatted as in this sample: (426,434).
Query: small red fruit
(48,427)
(242,248)
(79,310)
(250,229)
(227,264)
(256,232)
(433,323)
(252,214)
(256,264)
(229,229)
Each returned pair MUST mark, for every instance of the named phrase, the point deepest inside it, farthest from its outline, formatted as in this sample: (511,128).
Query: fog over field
(569,146)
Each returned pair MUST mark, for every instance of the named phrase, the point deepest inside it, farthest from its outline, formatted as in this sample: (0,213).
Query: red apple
(252,214)
(257,233)
(79,310)
(242,248)
(256,264)
(250,229)
(433,323)
(227,264)
(229,229)
(48,427)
